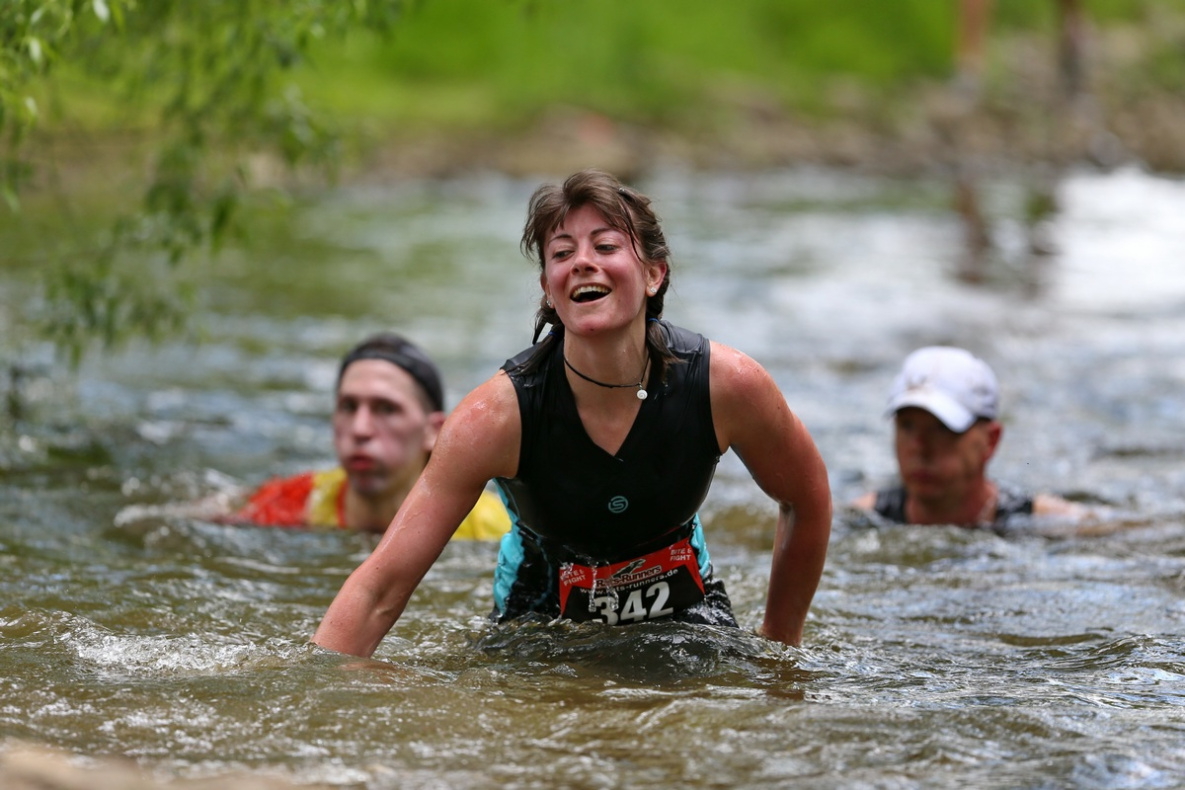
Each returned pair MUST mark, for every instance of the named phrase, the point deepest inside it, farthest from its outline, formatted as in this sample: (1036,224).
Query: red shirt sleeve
(282,502)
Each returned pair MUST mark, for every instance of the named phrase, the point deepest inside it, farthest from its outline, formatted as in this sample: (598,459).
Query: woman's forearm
(358,618)
(800,549)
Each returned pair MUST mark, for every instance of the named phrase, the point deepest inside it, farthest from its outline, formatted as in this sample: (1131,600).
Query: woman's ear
(656,272)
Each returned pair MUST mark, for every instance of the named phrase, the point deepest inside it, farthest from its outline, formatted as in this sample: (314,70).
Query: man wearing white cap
(945,407)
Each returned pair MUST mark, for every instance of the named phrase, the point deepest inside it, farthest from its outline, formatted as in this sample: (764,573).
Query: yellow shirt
(317,500)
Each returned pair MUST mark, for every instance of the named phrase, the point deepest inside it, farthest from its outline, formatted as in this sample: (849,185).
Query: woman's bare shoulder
(735,376)
(486,427)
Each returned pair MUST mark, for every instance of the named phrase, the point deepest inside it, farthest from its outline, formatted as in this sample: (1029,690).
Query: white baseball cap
(950,383)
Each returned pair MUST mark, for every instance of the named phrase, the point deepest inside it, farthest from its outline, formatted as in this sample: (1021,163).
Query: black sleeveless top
(582,502)
(890,503)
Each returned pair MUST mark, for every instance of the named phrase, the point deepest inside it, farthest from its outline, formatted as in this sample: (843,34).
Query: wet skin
(383,433)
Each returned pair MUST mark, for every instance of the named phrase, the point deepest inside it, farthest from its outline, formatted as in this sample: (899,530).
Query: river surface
(933,657)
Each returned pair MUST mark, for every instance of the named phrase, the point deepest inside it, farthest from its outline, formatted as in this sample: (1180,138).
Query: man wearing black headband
(388,411)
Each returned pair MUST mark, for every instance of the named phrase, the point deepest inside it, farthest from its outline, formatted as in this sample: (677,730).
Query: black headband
(410,359)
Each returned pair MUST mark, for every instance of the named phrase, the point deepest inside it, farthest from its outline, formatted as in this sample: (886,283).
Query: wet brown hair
(626,210)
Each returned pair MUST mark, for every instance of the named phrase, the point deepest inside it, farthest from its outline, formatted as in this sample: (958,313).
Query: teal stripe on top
(700,546)
(510,557)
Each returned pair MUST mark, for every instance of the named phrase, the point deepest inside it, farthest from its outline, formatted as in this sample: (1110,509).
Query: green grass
(497,64)
(496,61)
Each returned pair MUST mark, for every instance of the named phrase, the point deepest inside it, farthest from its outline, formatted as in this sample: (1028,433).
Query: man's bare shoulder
(866,501)
(1056,517)
(1053,505)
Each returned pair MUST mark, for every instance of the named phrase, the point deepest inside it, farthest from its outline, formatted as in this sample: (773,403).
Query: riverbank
(1130,110)
(1019,116)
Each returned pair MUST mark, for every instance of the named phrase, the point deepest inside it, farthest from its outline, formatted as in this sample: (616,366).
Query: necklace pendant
(642,394)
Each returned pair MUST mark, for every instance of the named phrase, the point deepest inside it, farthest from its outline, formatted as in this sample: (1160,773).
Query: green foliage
(32,34)
(208,78)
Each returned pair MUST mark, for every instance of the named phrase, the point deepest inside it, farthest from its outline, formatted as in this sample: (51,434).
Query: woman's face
(593,276)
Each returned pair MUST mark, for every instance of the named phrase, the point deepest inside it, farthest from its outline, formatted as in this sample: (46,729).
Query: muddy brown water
(933,657)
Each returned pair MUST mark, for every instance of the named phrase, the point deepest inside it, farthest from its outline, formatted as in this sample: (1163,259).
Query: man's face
(937,464)
(382,431)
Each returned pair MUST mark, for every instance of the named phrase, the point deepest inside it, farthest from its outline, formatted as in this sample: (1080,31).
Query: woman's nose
(584,258)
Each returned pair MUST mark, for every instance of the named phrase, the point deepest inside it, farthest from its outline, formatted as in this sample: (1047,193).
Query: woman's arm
(479,441)
(752,418)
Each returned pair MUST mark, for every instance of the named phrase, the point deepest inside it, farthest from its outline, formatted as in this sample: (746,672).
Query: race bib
(646,588)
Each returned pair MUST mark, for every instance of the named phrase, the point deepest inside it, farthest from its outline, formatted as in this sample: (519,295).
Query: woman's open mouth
(589,293)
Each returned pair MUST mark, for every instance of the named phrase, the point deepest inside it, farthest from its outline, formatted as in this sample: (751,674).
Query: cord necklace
(642,394)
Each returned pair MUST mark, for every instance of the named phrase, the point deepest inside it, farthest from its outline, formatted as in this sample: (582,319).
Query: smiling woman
(604,485)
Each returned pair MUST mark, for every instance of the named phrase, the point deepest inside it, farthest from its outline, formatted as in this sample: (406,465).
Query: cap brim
(950,412)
